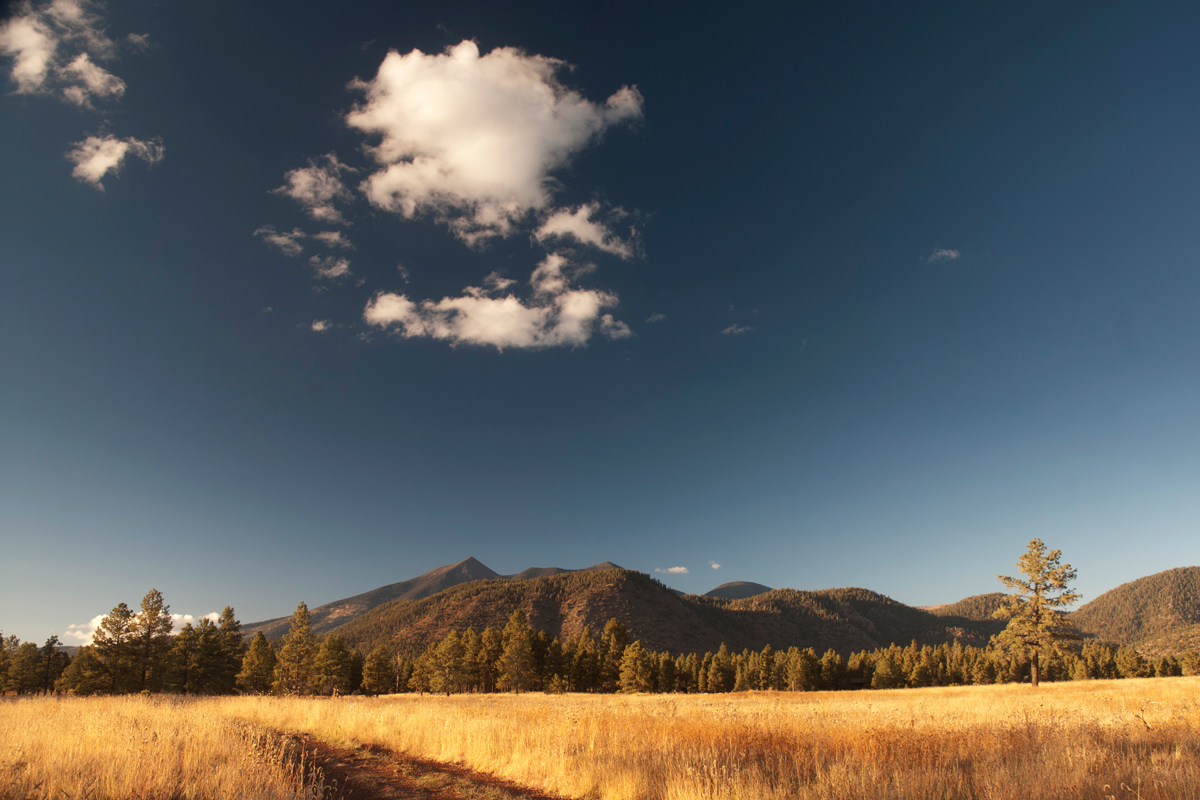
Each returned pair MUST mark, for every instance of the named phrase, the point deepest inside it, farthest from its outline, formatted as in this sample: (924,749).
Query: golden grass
(139,747)
(1096,739)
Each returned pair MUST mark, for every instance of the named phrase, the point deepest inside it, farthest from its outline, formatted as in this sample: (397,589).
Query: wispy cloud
(320,325)
(714,565)
(288,243)
(655,317)
(472,139)
(583,226)
(942,255)
(318,188)
(330,267)
(736,330)
(673,570)
(97,156)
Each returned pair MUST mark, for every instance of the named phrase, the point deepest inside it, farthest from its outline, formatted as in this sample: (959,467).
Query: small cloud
(318,188)
(334,239)
(403,270)
(582,226)
(673,570)
(320,325)
(656,317)
(736,330)
(330,267)
(288,243)
(96,156)
(714,565)
(138,42)
(942,255)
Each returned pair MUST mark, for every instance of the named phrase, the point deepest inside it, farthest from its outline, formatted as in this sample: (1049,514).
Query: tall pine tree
(294,667)
(258,666)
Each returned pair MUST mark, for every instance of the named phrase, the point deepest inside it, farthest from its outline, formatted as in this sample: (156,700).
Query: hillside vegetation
(1147,607)
(842,619)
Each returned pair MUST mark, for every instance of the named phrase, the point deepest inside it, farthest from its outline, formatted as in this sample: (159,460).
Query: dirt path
(370,772)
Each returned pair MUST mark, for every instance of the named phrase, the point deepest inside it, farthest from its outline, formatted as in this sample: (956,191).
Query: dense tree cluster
(136,651)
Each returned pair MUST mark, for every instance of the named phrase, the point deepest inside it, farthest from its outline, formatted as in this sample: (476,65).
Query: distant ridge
(327,617)
(562,605)
(737,590)
(977,607)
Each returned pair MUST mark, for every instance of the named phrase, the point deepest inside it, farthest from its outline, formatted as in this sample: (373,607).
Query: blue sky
(295,303)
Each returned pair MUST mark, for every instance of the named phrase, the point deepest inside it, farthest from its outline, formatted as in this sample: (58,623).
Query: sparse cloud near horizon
(81,633)
(942,255)
(714,565)
(673,570)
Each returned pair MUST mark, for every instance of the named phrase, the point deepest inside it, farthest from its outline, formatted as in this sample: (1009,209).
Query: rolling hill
(736,590)
(1144,609)
(562,605)
(329,616)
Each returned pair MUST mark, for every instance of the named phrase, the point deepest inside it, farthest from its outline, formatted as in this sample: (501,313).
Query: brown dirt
(370,772)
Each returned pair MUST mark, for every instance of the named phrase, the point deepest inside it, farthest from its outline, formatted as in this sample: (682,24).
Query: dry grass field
(1095,739)
(140,747)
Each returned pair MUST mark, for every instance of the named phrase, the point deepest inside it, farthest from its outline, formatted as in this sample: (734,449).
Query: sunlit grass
(1101,739)
(138,747)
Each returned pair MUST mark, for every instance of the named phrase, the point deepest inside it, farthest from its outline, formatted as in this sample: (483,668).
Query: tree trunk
(1033,668)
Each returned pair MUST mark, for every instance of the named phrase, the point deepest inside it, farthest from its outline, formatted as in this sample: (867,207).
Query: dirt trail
(370,772)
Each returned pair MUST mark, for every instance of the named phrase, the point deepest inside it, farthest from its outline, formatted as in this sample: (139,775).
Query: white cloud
(318,187)
(714,565)
(557,315)
(34,38)
(656,317)
(96,156)
(330,267)
(320,325)
(30,42)
(81,634)
(673,570)
(90,80)
(471,139)
(943,255)
(736,330)
(582,226)
(288,243)
(139,42)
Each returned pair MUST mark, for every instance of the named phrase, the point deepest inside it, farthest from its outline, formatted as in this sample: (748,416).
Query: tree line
(137,652)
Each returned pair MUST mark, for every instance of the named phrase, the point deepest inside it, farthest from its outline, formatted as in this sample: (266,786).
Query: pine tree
(636,675)
(182,660)
(294,665)
(378,676)
(53,662)
(24,670)
(1035,622)
(448,671)
(516,666)
(613,642)
(84,675)
(208,664)
(150,634)
(114,648)
(331,667)
(491,647)
(233,650)
(258,666)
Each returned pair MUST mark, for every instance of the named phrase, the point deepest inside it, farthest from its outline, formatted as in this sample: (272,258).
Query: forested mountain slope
(1144,608)
(843,619)
(976,607)
(331,615)
(735,590)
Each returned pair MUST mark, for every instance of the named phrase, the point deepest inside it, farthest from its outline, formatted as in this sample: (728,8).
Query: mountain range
(1159,614)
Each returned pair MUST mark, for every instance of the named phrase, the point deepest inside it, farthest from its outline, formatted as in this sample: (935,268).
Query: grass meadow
(1137,738)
